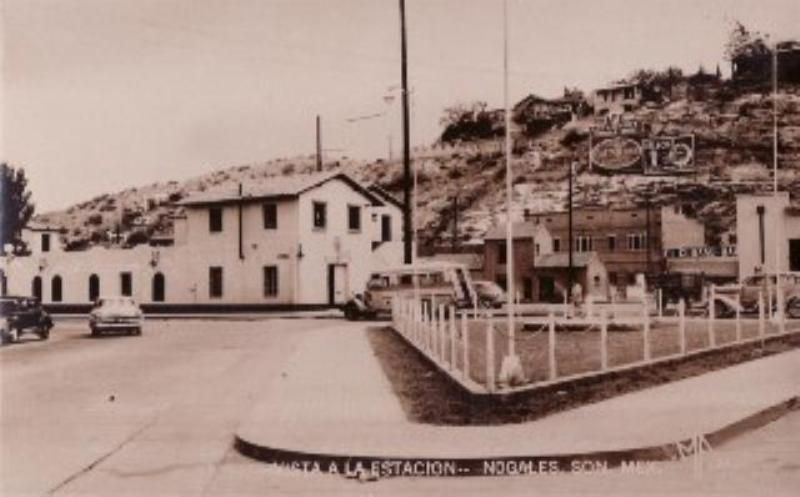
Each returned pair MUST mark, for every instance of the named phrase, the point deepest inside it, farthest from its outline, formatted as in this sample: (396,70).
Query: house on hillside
(616,99)
(309,240)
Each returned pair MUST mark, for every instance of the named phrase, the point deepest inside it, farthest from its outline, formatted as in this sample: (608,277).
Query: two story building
(309,240)
(616,99)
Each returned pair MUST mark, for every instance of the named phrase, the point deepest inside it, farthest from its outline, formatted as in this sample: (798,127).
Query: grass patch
(428,396)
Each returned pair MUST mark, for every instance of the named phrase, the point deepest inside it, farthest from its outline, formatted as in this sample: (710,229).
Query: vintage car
(490,294)
(746,294)
(23,315)
(431,283)
(116,314)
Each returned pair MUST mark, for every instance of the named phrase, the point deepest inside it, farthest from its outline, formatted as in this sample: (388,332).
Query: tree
(470,122)
(17,208)
(747,52)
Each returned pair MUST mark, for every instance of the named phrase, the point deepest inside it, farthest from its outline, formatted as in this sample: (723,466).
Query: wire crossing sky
(100,95)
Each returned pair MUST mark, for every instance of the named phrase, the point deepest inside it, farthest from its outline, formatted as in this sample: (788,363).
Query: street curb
(475,465)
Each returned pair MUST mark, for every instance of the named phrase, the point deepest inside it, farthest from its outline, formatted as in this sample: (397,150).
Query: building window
(556,245)
(612,278)
(354,218)
(501,253)
(36,288)
(537,249)
(215,219)
(56,289)
(159,287)
(270,216)
(584,243)
(215,282)
(126,284)
(270,281)
(386,228)
(94,287)
(636,241)
(320,215)
(612,243)
(45,242)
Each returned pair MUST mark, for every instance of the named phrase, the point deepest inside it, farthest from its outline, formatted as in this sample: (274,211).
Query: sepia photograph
(399,248)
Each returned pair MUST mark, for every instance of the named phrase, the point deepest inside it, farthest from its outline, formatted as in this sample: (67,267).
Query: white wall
(777,231)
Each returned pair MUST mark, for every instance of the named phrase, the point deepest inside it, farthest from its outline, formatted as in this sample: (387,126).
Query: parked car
(432,283)
(116,314)
(747,294)
(24,315)
(489,294)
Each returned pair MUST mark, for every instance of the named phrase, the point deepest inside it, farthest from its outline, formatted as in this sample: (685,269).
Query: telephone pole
(407,228)
(319,145)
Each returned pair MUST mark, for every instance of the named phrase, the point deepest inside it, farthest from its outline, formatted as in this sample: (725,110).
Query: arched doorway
(56,289)
(36,288)
(159,287)
(94,287)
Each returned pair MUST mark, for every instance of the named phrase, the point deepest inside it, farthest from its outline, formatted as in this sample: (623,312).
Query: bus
(447,283)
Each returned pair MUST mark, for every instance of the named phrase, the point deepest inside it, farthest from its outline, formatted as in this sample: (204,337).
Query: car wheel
(95,332)
(44,333)
(351,313)
(720,310)
(793,308)
(137,331)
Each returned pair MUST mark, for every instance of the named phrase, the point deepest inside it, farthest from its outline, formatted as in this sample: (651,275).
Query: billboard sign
(668,155)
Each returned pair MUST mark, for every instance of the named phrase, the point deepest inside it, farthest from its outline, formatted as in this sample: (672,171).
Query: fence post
(682,325)
(779,309)
(489,352)
(551,345)
(423,325)
(603,340)
(761,324)
(566,304)
(465,343)
(769,299)
(453,362)
(738,318)
(712,342)
(646,331)
(440,329)
(660,303)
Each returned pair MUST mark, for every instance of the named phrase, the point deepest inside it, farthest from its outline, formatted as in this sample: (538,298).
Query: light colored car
(116,314)
(490,294)
(764,285)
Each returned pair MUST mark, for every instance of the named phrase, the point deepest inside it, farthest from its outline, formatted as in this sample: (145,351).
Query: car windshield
(116,302)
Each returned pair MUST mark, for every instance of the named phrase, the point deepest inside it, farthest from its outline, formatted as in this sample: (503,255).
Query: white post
(682,325)
(769,299)
(646,331)
(761,324)
(660,303)
(441,332)
(603,340)
(424,326)
(738,318)
(465,343)
(589,307)
(779,309)
(490,352)
(453,344)
(566,305)
(551,345)
(712,342)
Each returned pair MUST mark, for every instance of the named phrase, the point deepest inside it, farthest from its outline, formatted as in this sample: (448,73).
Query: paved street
(155,416)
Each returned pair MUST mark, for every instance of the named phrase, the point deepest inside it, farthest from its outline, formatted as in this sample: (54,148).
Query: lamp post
(511,367)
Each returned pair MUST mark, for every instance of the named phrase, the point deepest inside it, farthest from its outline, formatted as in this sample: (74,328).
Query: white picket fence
(442,334)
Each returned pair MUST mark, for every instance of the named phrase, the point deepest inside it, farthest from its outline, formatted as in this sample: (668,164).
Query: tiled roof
(523,229)
(276,187)
(561,259)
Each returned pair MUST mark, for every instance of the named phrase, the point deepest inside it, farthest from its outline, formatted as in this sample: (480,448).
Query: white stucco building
(301,240)
(767,234)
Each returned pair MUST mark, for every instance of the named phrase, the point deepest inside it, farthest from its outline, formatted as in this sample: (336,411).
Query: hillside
(733,132)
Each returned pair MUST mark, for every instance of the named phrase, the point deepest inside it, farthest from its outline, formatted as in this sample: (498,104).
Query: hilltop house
(617,98)
(308,240)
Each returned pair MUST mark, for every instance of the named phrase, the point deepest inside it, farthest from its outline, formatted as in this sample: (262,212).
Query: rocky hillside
(733,130)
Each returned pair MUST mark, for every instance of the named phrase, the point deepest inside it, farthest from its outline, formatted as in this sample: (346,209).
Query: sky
(101,95)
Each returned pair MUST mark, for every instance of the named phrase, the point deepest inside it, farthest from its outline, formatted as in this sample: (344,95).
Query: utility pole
(570,272)
(455,223)
(319,145)
(407,228)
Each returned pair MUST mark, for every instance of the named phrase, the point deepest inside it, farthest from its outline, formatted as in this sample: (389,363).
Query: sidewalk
(336,401)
